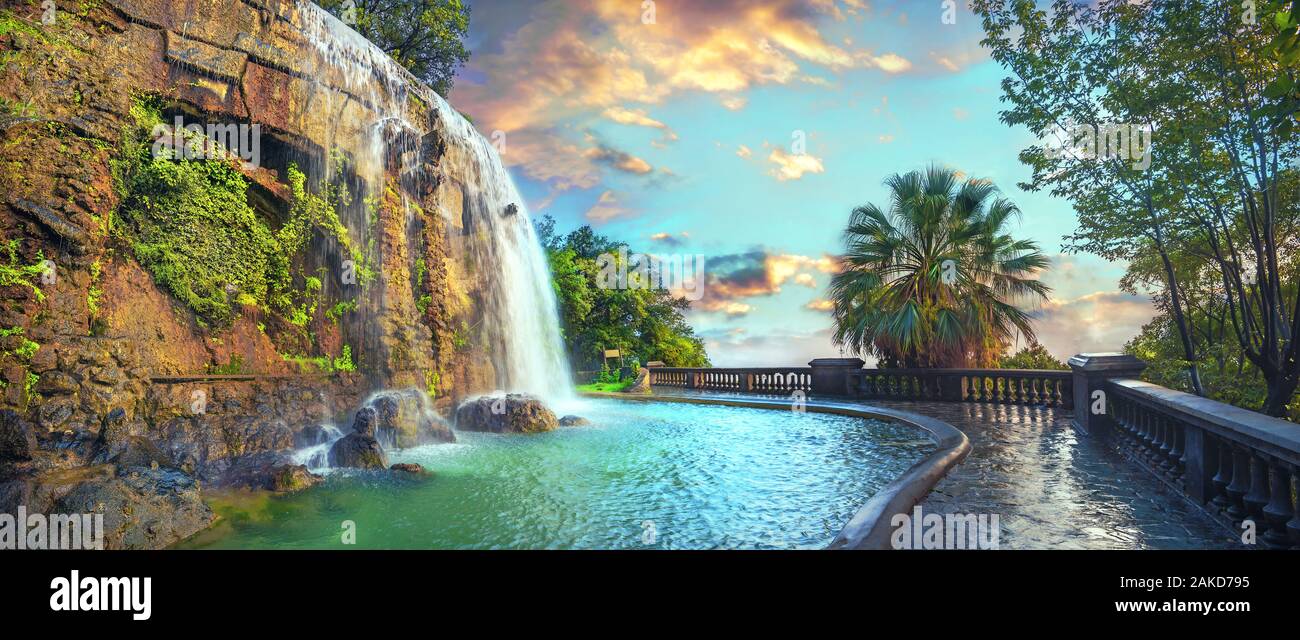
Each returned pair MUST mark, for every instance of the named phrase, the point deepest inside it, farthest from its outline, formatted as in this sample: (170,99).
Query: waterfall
(519,314)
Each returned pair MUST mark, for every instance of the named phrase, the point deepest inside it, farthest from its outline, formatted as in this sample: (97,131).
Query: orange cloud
(579,58)
(793,167)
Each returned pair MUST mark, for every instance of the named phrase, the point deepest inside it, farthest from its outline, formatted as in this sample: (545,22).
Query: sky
(746,132)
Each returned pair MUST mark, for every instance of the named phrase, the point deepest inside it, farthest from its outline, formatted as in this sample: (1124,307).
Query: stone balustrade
(1242,467)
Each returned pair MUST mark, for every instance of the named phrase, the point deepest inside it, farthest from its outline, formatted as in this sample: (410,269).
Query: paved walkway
(1054,489)
(1050,487)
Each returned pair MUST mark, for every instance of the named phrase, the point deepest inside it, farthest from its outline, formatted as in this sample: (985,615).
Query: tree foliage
(644,323)
(1204,221)
(935,281)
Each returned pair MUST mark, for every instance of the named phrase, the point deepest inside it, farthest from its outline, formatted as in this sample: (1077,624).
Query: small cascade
(316,455)
(520,321)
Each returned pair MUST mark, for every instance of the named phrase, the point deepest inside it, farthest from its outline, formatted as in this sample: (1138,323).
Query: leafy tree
(934,282)
(645,323)
(1034,356)
(425,36)
(1209,196)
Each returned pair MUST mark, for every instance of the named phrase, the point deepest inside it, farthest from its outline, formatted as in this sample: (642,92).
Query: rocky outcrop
(143,507)
(512,413)
(574,421)
(17,440)
(360,449)
(103,371)
(407,419)
(409,467)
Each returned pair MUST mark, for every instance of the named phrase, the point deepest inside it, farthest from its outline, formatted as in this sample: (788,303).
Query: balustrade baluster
(1240,482)
(1164,433)
(1177,467)
(1223,477)
(1257,497)
(1278,510)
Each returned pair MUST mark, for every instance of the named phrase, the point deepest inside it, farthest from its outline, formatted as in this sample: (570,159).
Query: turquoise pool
(642,476)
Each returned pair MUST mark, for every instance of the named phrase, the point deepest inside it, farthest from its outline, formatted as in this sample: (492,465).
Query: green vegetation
(189,223)
(14,274)
(324,364)
(935,282)
(646,323)
(425,36)
(1034,356)
(232,368)
(606,387)
(1208,223)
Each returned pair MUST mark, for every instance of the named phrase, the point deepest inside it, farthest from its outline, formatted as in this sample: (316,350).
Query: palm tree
(936,281)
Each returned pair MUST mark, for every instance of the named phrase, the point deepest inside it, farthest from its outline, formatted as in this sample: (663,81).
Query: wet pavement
(1055,489)
(1050,487)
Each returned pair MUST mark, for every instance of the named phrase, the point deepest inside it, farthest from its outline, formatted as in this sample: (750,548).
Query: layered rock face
(116,381)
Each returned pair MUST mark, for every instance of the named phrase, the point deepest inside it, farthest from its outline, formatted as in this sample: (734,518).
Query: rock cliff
(169,323)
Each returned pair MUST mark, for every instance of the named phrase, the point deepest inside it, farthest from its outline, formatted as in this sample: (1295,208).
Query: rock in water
(409,467)
(268,471)
(574,421)
(513,413)
(365,421)
(642,384)
(407,419)
(358,451)
(143,508)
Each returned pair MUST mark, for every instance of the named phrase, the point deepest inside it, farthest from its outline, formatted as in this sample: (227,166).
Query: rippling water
(696,477)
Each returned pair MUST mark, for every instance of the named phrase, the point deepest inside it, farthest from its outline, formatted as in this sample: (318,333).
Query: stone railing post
(1091,371)
(830,376)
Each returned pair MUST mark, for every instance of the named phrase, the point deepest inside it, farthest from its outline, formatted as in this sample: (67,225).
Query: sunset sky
(677,137)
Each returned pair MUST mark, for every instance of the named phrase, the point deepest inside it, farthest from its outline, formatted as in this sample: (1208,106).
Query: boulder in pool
(512,413)
(407,418)
(358,451)
(574,421)
(409,467)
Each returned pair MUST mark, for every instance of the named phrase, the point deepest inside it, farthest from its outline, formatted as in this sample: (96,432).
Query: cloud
(571,59)
(959,114)
(820,305)
(735,103)
(793,167)
(670,240)
(743,151)
(1099,321)
(639,118)
(885,139)
(606,208)
(620,160)
(729,348)
(757,273)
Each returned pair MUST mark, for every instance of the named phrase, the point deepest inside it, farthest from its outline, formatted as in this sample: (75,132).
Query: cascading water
(519,308)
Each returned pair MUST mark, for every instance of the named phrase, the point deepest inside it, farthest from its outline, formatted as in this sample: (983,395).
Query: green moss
(234,367)
(336,312)
(189,223)
(344,361)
